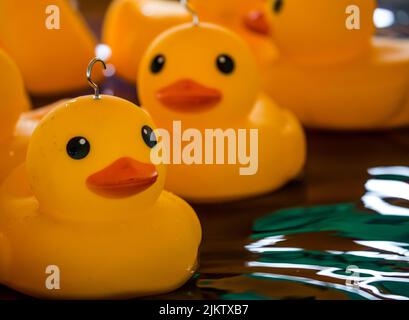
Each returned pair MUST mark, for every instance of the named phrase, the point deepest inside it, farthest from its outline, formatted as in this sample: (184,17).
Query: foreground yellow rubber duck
(206,77)
(332,72)
(16,121)
(38,35)
(89,202)
(131,25)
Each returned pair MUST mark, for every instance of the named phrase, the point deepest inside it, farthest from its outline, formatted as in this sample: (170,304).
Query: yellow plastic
(333,77)
(248,18)
(16,122)
(133,240)
(190,73)
(131,25)
(51,61)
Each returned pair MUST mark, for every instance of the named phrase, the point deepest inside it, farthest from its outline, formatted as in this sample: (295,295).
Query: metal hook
(194,14)
(89,71)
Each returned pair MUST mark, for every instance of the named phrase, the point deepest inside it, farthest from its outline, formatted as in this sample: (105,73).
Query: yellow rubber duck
(130,26)
(206,77)
(143,20)
(39,37)
(332,72)
(16,121)
(242,15)
(248,18)
(90,205)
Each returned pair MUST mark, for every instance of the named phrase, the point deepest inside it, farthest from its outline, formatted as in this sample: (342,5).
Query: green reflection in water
(365,254)
(344,219)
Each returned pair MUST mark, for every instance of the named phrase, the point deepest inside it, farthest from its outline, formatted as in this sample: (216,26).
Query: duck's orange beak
(188,95)
(123,178)
(256,21)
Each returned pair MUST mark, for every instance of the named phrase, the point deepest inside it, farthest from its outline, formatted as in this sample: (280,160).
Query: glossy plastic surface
(51,60)
(131,25)
(15,128)
(192,89)
(107,244)
(333,77)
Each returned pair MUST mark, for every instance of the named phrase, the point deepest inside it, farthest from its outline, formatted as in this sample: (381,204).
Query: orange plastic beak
(123,178)
(188,95)
(256,21)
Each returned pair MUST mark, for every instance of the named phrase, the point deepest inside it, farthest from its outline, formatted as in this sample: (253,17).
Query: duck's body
(332,72)
(143,20)
(95,260)
(221,92)
(40,37)
(280,158)
(16,121)
(368,92)
(105,224)
(13,150)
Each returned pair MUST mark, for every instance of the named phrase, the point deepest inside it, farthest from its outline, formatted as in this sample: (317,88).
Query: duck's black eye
(158,63)
(78,148)
(278,5)
(149,136)
(225,64)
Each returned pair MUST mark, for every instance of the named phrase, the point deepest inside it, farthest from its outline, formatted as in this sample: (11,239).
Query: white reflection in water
(374,202)
(390,246)
(399,171)
(364,278)
(377,191)
(377,255)
(361,281)
(317,283)
(260,245)
(380,189)
(388,188)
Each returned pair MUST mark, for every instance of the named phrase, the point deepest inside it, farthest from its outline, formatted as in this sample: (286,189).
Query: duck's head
(249,14)
(90,160)
(320,30)
(191,72)
(13,98)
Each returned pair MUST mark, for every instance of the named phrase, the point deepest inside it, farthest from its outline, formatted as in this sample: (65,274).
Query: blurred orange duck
(143,20)
(41,38)
(332,72)
(16,121)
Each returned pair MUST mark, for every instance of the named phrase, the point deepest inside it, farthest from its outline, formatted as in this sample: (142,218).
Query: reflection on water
(343,251)
(382,188)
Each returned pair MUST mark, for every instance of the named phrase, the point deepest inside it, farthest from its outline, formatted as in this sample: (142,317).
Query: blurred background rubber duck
(41,35)
(89,201)
(16,121)
(332,72)
(248,18)
(130,26)
(206,77)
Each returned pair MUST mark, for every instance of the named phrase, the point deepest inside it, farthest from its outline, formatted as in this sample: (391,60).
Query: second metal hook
(89,73)
(194,14)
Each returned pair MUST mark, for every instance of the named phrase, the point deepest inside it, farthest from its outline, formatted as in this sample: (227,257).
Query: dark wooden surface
(335,172)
